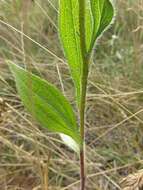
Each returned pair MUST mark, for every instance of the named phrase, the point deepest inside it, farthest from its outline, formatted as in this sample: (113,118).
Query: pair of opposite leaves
(44,101)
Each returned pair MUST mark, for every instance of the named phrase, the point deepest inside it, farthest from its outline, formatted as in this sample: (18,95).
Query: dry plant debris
(133,181)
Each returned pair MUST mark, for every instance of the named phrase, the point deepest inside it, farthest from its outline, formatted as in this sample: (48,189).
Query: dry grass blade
(133,181)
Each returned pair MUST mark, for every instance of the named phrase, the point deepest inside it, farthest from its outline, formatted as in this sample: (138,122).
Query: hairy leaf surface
(70,37)
(98,15)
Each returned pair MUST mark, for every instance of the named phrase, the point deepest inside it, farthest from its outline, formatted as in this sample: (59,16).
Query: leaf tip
(11,65)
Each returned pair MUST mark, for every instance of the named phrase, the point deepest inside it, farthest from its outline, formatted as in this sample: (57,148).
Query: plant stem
(82,126)
(83,89)
(82,170)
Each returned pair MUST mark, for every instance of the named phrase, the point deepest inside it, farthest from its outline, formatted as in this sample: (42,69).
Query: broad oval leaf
(47,104)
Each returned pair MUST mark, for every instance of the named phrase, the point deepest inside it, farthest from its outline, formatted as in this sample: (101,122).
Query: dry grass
(29,154)
(133,181)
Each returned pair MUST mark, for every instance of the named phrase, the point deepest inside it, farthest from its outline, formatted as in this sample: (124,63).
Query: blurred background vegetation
(114,127)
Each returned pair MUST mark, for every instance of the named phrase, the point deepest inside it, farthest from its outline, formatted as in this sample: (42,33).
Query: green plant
(81,22)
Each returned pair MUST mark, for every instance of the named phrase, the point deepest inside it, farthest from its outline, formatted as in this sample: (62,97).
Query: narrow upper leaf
(69,33)
(103,13)
(70,37)
(88,24)
(46,103)
(98,16)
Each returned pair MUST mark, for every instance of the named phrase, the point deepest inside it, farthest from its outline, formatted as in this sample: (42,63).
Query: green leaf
(69,34)
(46,103)
(70,37)
(88,24)
(103,13)
(98,15)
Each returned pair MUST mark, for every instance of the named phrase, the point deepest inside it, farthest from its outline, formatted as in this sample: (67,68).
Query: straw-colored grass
(133,181)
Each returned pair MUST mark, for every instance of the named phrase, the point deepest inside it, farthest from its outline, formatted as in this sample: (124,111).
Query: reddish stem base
(82,171)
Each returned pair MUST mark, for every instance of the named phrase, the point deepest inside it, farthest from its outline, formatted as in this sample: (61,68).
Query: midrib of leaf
(72,117)
(77,50)
(65,109)
(76,72)
(95,25)
(64,127)
(80,58)
(50,105)
(89,23)
(102,5)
